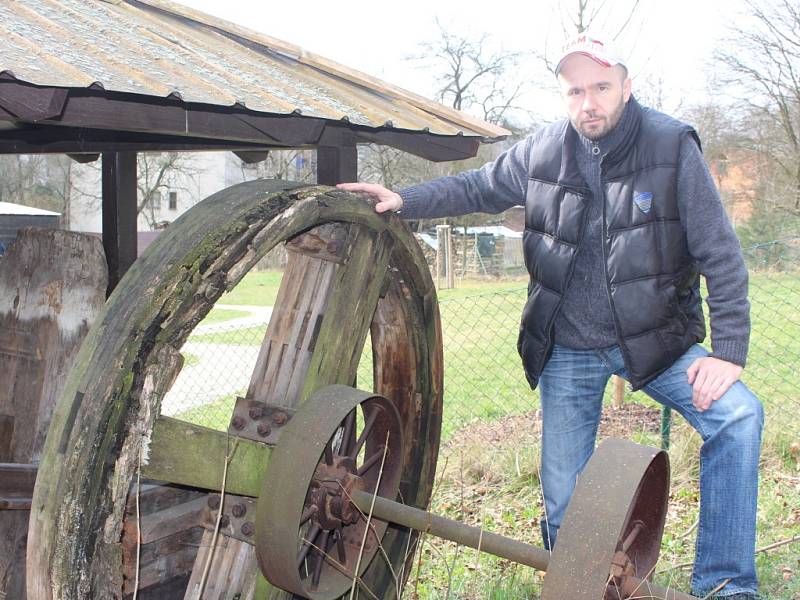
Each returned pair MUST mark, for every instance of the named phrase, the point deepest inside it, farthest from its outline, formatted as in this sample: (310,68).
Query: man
(622,216)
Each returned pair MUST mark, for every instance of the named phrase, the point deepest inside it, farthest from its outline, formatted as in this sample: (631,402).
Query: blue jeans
(572,385)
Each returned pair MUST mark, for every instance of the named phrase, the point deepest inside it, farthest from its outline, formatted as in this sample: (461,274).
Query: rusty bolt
(224,521)
(256,412)
(248,528)
(279,417)
(239,510)
(264,429)
(213,501)
(237,422)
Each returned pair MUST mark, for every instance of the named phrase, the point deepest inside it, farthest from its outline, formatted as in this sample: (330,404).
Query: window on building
(155,198)
(173,200)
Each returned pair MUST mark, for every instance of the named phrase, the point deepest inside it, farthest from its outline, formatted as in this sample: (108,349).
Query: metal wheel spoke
(340,546)
(321,551)
(307,544)
(349,434)
(329,453)
(365,433)
(371,461)
(308,513)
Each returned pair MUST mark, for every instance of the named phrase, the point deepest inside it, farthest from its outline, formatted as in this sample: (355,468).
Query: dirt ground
(614,422)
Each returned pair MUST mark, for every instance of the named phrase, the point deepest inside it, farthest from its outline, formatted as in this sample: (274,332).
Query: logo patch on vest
(644,200)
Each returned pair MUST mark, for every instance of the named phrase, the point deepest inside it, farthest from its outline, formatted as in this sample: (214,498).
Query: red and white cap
(599,48)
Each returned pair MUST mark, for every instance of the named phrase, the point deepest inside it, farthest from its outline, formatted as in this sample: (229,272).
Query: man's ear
(626,89)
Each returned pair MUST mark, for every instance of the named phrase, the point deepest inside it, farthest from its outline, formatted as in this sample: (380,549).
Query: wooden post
(619,391)
(444,257)
(52,286)
(119,213)
(337,164)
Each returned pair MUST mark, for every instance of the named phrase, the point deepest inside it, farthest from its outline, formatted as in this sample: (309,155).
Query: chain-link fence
(483,375)
(489,457)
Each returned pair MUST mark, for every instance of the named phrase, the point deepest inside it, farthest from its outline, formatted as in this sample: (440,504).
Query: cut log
(52,286)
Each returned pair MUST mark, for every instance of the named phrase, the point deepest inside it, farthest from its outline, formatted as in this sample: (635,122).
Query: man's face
(595,95)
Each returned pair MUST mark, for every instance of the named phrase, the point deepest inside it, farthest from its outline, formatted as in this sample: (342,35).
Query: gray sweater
(585,320)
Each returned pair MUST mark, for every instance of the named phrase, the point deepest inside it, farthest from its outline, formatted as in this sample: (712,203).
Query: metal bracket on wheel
(259,421)
(237,518)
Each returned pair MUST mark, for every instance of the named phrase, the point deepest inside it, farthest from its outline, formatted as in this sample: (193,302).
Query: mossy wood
(106,424)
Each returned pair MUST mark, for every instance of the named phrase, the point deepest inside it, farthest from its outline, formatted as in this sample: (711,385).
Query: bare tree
(598,13)
(42,181)
(158,173)
(472,76)
(296,165)
(761,61)
(620,19)
(22,179)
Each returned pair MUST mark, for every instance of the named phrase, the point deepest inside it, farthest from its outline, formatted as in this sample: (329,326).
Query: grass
(500,490)
(220,315)
(258,288)
(495,482)
(215,415)
(249,336)
(189,359)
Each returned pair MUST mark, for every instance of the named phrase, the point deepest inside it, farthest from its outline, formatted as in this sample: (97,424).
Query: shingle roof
(162,49)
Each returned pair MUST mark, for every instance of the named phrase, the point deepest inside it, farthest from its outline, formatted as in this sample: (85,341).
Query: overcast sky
(671,40)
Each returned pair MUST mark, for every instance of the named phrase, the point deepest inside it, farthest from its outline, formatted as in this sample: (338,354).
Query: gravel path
(221,369)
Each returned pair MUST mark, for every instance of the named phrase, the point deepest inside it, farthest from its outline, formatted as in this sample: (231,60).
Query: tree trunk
(52,286)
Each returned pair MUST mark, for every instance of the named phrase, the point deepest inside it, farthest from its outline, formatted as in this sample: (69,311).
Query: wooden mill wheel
(351,272)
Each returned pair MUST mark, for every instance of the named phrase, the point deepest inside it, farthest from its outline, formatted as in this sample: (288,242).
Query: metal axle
(474,537)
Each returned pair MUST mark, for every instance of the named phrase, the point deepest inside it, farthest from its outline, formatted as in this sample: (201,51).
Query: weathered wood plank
(16,485)
(154,496)
(184,542)
(6,433)
(52,286)
(164,523)
(232,565)
(164,567)
(344,329)
(188,454)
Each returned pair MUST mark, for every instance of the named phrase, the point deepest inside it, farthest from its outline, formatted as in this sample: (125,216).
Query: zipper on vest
(605,237)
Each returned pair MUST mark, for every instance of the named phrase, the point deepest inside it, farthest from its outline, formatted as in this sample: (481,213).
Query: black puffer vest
(652,281)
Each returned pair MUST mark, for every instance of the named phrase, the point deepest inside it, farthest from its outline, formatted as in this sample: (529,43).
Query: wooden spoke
(192,455)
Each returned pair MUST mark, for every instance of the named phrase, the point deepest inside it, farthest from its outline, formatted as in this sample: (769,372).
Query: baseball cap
(596,46)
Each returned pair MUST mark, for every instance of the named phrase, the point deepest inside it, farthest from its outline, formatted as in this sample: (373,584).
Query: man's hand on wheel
(385,199)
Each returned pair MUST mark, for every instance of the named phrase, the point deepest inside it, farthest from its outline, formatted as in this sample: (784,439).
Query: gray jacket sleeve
(493,188)
(713,243)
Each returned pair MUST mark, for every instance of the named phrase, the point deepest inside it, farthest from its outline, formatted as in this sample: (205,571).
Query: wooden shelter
(110,78)
(107,79)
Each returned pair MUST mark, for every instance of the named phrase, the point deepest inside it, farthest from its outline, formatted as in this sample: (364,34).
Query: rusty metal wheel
(613,525)
(352,274)
(342,441)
